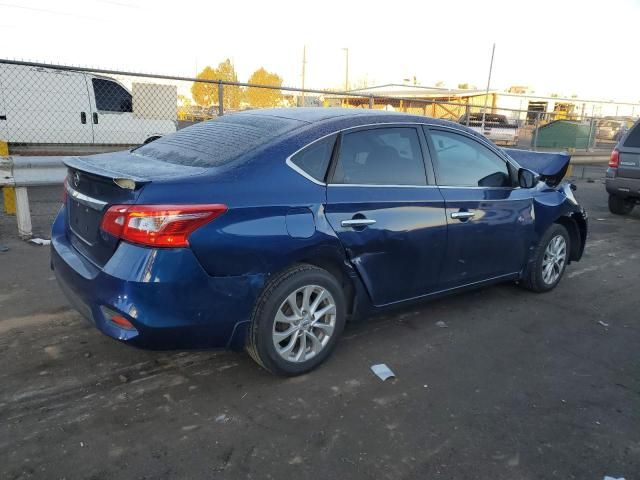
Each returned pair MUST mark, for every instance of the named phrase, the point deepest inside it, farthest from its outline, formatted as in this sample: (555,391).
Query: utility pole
(304,64)
(486,96)
(346,69)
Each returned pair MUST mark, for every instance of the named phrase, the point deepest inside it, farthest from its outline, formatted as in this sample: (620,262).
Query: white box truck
(47,107)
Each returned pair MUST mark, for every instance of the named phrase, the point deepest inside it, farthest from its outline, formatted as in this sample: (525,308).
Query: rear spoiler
(551,166)
(127,167)
(84,164)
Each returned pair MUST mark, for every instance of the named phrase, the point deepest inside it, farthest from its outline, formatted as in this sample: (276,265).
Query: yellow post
(9,194)
(4,149)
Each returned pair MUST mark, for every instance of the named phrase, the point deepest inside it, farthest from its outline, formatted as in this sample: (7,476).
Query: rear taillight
(614,160)
(158,225)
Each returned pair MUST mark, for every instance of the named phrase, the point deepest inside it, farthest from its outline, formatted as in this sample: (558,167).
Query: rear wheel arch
(338,270)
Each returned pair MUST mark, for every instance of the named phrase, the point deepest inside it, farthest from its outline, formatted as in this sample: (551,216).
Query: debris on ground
(222,418)
(3,248)
(40,241)
(607,477)
(441,324)
(604,324)
(123,378)
(382,371)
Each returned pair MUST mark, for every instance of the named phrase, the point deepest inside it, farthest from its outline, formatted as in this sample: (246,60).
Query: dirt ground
(517,386)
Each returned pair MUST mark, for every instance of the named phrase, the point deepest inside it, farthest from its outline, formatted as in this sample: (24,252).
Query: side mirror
(527,178)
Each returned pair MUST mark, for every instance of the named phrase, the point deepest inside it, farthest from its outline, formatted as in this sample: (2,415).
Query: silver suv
(623,174)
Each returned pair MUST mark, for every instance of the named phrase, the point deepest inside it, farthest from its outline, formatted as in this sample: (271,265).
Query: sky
(584,48)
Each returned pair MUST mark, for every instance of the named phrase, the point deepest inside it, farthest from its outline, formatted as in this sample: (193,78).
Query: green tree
(264,97)
(206,94)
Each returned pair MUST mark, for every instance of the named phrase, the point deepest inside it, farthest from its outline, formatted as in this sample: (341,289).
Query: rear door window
(462,161)
(111,96)
(633,139)
(381,156)
(314,159)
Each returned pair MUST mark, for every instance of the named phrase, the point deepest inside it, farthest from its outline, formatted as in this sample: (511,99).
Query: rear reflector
(158,225)
(122,322)
(614,161)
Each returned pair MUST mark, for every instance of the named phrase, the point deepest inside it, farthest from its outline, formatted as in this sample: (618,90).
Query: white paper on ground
(382,371)
(40,241)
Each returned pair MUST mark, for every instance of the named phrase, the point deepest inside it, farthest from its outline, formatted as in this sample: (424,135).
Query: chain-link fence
(54,109)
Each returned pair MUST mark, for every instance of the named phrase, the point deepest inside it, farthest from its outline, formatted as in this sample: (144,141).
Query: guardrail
(19,173)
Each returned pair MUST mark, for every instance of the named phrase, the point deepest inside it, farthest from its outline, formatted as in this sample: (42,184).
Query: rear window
(216,142)
(633,139)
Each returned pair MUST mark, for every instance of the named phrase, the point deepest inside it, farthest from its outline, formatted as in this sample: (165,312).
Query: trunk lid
(94,183)
(629,165)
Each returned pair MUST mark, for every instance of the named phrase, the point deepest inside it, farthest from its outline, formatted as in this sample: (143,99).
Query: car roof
(314,115)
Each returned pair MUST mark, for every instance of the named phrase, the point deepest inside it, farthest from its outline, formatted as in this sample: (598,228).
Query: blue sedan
(268,230)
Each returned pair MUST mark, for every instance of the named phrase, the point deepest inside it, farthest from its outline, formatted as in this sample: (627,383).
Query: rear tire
(619,205)
(297,320)
(550,260)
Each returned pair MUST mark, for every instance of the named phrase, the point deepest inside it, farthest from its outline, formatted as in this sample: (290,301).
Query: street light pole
(486,95)
(304,66)
(346,75)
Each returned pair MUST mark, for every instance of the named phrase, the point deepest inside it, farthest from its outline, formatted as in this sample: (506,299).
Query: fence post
(220,99)
(534,140)
(23,213)
(9,194)
(371,102)
(467,114)
(591,135)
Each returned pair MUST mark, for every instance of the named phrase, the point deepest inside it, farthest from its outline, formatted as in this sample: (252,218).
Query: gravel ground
(517,386)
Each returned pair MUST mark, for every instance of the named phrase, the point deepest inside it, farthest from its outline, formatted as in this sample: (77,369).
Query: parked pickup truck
(496,127)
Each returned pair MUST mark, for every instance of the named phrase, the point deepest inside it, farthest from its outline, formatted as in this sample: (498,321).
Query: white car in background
(45,106)
(496,127)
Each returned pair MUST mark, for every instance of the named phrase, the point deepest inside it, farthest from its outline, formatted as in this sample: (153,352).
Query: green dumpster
(565,134)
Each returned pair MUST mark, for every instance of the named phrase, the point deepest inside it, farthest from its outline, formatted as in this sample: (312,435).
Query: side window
(633,138)
(461,161)
(382,156)
(314,160)
(111,97)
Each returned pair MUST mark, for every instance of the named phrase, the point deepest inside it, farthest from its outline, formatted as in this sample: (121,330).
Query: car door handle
(462,215)
(357,222)
(95,118)
(83,117)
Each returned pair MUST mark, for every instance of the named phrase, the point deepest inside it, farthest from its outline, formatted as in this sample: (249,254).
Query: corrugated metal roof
(417,91)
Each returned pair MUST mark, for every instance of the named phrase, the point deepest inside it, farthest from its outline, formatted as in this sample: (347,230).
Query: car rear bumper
(621,186)
(164,293)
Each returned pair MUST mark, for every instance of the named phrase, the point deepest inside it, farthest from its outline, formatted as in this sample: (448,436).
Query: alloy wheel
(304,323)
(554,260)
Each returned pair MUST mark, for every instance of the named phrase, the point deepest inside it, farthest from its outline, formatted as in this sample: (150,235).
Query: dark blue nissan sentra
(268,230)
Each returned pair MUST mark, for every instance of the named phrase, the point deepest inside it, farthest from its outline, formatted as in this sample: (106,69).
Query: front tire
(550,261)
(619,205)
(297,320)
